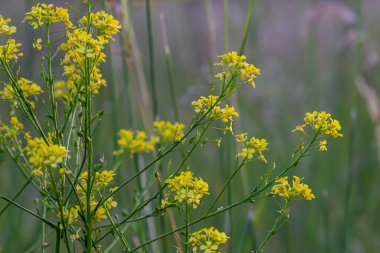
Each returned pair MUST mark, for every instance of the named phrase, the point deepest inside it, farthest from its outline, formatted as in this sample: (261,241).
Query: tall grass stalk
(169,66)
(154,97)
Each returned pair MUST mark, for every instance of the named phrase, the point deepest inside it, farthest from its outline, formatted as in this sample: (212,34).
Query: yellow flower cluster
(99,185)
(208,240)
(135,142)
(321,123)
(10,51)
(60,88)
(226,114)
(323,145)
(5,28)
(186,188)
(232,62)
(44,14)
(292,192)
(37,44)
(80,46)
(169,132)
(43,155)
(70,215)
(252,146)
(27,87)
(105,23)
(13,131)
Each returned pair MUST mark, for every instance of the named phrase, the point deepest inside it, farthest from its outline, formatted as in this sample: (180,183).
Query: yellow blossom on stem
(232,62)
(169,132)
(10,51)
(208,240)
(70,215)
(292,192)
(252,146)
(12,131)
(43,155)
(186,188)
(322,145)
(132,142)
(226,114)
(27,87)
(5,28)
(37,44)
(47,14)
(323,123)
(105,23)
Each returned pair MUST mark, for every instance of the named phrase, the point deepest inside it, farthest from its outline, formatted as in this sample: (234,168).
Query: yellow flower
(169,132)
(27,87)
(323,145)
(241,137)
(14,130)
(187,188)
(5,28)
(135,142)
(43,14)
(203,104)
(299,128)
(251,146)
(289,193)
(43,155)
(323,123)
(10,51)
(208,240)
(37,44)
(231,62)
(106,24)
(70,215)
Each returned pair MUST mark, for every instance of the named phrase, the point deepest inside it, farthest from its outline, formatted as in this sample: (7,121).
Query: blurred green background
(314,55)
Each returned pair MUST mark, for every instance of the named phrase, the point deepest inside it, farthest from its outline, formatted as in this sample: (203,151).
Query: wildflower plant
(79,194)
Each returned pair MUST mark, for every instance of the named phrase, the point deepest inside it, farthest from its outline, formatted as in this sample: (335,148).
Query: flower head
(5,28)
(292,192)
(207,240)
(188,189)
(169,132)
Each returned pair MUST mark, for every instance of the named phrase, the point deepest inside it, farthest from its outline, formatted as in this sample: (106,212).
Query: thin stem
(226,30)
(226,185)
(169,67)
(187,220)
(247,26)
(51,224)
(17,195)
(151,57)
(119,233)
(272,231)
(50,83)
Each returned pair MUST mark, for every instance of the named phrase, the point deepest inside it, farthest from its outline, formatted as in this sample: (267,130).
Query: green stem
(58,240)
(247,26)
(151,57)
(51,224)
(187,227)
(17,195)
(226,30)
(50,83)
(226,185)
(126,245)
(277,224)
(87,141)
